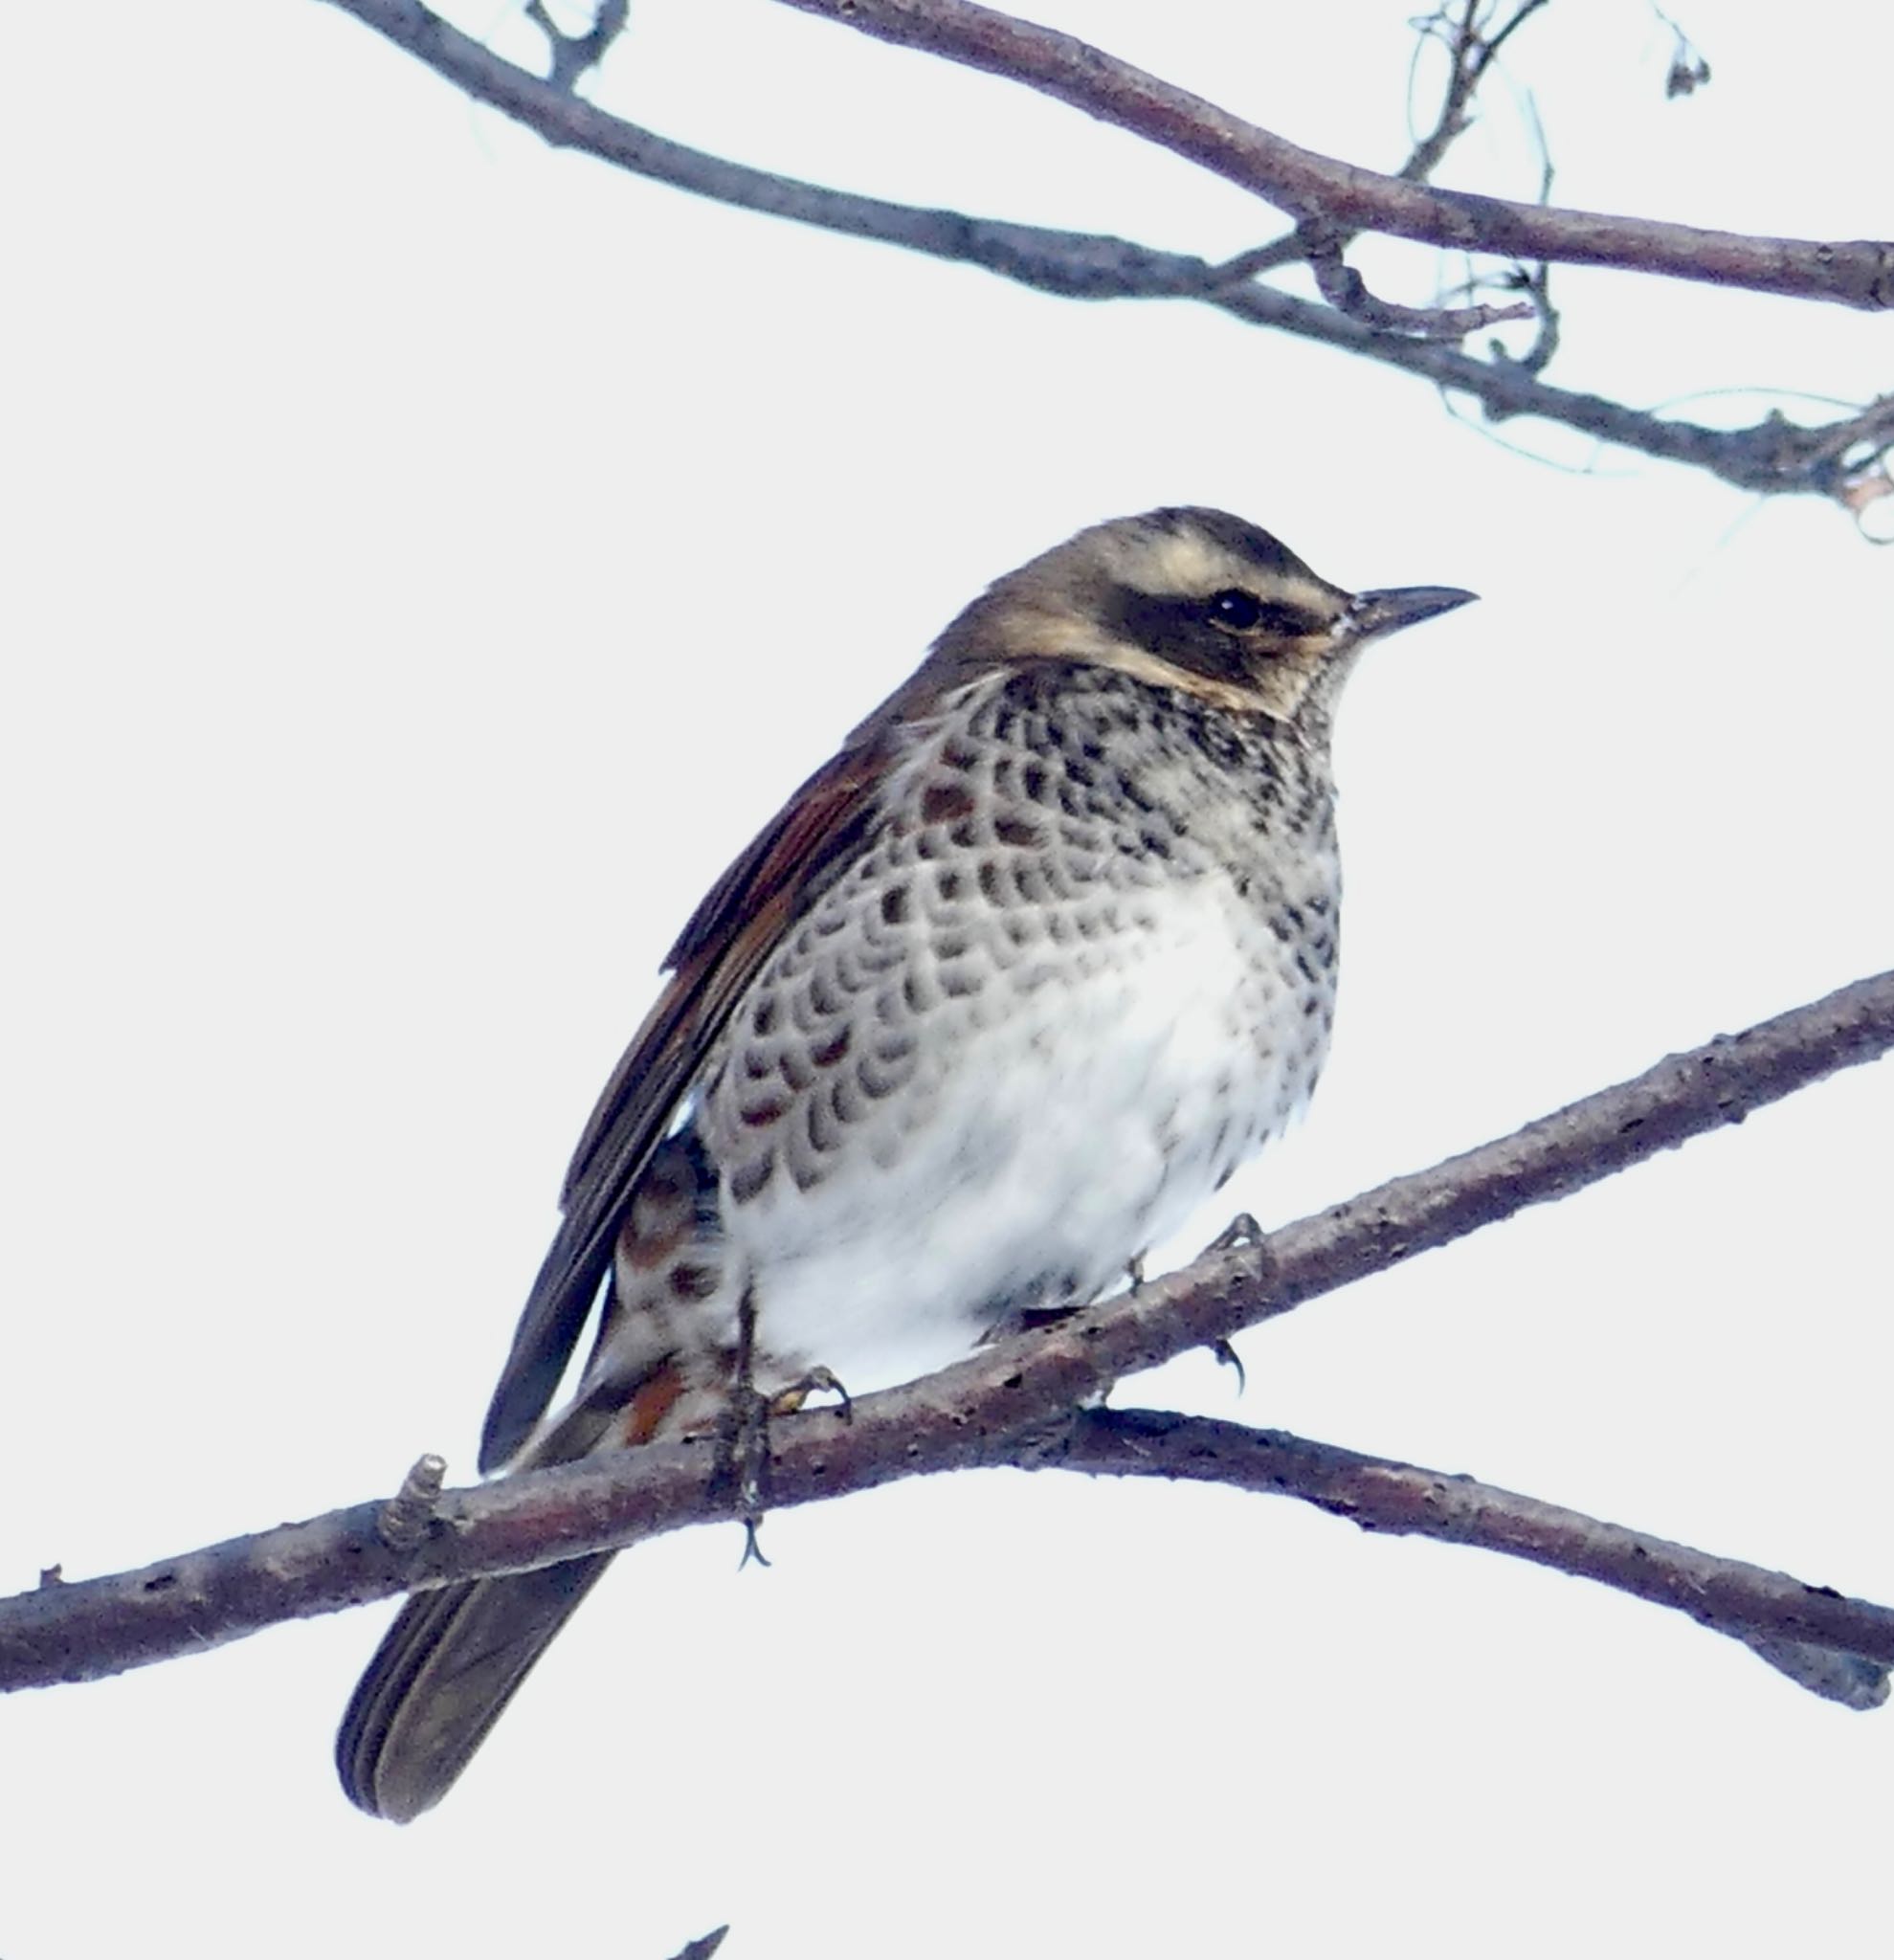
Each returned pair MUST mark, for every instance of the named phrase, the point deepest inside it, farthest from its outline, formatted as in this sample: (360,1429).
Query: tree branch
(1768,1612)
(1344,196)
(1840,460)
(703,1949)
(1012,1403)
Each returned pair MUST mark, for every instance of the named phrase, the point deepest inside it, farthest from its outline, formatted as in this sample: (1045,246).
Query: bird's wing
(729,936)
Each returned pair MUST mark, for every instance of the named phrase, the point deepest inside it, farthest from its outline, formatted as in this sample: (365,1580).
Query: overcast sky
(428,559)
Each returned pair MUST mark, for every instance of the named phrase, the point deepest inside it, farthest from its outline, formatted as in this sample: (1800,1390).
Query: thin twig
(1345,290)
(1470,55)
(409,1515)
(1007,1405)
(572,56)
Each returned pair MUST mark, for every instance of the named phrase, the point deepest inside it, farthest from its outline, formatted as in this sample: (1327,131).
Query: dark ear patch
(1178,630)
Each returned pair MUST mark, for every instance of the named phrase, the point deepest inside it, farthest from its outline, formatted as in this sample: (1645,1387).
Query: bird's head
(1190,600)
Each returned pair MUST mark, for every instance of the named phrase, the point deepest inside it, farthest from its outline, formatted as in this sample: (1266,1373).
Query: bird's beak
(1374,613)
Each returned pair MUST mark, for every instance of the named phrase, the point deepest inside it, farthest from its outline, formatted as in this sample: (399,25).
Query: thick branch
(1011,1404)
(1470,54)
(1346,197)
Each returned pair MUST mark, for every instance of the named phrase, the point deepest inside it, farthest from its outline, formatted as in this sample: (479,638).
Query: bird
(998,1000)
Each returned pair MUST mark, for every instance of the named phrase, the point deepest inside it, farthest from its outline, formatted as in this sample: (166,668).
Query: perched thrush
(1007,989)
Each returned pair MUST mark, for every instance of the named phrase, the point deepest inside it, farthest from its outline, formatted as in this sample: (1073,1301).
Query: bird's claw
(818,1379)
(1243,1229)
(752,1544)
(1228,1357)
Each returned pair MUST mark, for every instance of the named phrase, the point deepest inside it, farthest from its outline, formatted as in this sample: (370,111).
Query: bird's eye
(1240,612)
(1236,608)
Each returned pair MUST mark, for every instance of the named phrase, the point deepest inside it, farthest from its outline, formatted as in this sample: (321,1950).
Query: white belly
(1067,1120)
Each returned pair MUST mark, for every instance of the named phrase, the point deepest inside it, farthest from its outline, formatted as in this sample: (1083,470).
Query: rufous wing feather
(810,840)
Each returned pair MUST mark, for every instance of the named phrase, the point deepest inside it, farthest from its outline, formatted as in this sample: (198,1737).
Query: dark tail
(448,1666)
(455,1655)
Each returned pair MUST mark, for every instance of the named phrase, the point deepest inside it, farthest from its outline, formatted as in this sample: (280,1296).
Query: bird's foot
(752,1413)
(1241,1231)
(750,1457)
